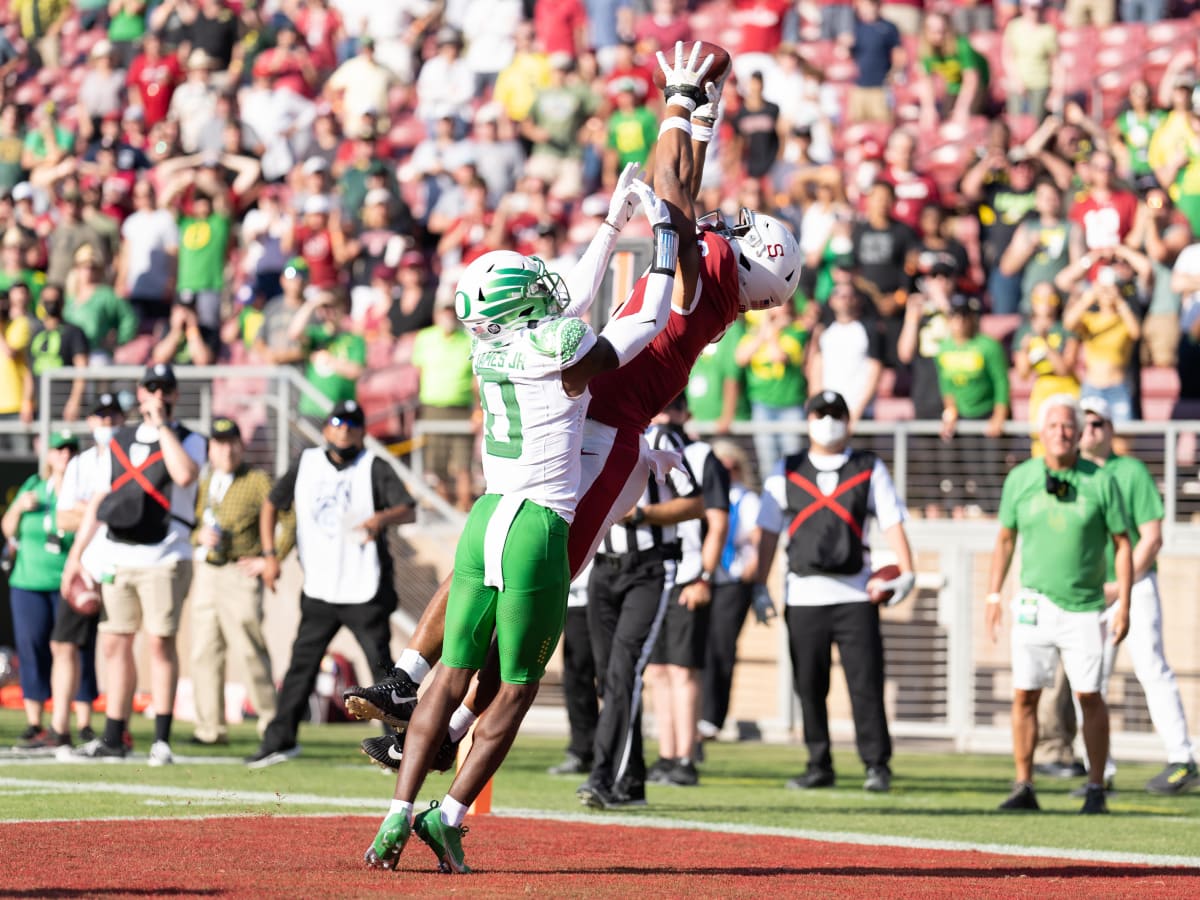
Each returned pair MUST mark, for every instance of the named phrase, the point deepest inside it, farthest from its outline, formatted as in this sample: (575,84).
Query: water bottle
(217,555)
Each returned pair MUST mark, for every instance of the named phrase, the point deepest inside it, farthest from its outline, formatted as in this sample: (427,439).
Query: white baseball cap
(1097,406)
(317,204)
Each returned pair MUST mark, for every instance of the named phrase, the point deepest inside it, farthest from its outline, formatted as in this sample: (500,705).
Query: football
(885,573)
(83,595)
(718,70)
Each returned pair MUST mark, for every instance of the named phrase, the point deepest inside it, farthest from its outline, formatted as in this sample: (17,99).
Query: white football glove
(900,586)
(685,80)
(655,208)
(706,113)
(623,204)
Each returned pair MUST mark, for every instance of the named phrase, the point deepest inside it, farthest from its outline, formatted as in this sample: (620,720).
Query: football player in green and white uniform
(511,570)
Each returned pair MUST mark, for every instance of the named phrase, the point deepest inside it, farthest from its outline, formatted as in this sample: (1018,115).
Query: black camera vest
(137,509)
(831,542)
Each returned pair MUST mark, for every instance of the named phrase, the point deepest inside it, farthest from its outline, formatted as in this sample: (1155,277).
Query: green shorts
(527,615)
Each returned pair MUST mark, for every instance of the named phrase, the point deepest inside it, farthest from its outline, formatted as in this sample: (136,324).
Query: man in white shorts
(1067,510)
(1145,508)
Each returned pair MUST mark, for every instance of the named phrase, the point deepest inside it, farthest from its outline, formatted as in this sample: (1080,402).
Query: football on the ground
(885,573)
(83,595)
(718,70)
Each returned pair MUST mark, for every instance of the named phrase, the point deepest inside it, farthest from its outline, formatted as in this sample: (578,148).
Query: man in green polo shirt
(1145,643)
(1067,511)
(442,353)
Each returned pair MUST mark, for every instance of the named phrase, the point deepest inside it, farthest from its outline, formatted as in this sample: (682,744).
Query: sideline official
(822,498)
(345,500)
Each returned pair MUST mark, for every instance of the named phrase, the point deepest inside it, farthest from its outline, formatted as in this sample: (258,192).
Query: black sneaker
(660,772)
(1094,803)
(813,778)
(683,774)
(1174,779)
(571,765)
(1022,797)
(86,734)
(1081,791)
(30,738)
(598,796)
(879,780)
(46,740)
(391,700)
(387,750)
(264,758)
(97,749)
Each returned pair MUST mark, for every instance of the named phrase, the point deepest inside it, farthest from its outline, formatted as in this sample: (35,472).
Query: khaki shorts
(1160,339)
(447,454)
(150,598)
(868,105)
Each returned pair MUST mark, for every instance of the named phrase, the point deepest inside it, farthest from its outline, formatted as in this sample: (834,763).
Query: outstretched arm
(583,281)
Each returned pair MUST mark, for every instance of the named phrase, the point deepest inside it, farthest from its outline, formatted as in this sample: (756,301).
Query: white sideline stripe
(176,793)
(363,806)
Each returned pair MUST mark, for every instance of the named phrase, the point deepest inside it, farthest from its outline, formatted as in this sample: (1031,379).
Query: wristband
(706,577)
(701,133)
(268,554)
(638,517)
(993,599)
(666,250)
(689,96)
(673,122)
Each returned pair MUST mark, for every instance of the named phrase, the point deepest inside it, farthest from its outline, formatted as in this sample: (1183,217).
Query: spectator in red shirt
(152,79)
(662,27)
(322,30)
(475,232)
(561,26)
(1104,213)
(760,23)
(914,191)
(626,67)
(317,240)
(288,64)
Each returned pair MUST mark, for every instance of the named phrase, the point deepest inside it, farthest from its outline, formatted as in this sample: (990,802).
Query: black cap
(961,303)
(348,412)
(943,268)
(159,373)
(107,405)
(225,429)
(827,403)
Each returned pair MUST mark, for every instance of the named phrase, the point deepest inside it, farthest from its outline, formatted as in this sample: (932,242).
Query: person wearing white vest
(345,500)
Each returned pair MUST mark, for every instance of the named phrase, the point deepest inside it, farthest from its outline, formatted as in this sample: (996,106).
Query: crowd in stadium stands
(996,202)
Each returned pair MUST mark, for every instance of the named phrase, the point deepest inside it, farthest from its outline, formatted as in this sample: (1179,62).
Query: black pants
(579,683)
(626,603)
(854,627)
(730,603)
(319,622)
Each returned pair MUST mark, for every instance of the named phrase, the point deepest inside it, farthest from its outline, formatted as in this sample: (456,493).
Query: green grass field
(935,796)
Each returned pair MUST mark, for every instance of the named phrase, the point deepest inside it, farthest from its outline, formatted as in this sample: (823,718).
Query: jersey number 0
(501,418)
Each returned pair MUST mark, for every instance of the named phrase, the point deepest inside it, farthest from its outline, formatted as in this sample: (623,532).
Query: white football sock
(461,722)
(401,806)
(453,812)
(414,665)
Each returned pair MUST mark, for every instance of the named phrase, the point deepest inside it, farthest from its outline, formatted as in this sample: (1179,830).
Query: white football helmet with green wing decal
(504,291)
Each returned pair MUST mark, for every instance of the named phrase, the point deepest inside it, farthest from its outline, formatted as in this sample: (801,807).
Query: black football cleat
(391,700)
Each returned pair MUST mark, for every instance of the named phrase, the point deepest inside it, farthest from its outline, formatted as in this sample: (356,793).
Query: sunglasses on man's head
(1094,423)
(155,386)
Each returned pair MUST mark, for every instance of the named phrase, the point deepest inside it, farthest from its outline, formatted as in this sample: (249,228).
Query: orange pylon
(483,803)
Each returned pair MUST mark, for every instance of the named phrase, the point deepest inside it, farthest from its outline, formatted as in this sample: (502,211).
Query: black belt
(637,557)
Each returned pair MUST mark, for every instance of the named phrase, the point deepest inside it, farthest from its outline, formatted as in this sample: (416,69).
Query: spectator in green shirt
(41,550)
(442,353)
(12,145)
(963,71)
(203,245)
(335,358)
(1066,510)
(772,353)
(12,265)
(632,130)
(106,320)
(973,378)
(716,388)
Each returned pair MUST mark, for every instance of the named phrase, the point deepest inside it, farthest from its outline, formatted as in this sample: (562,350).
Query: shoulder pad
(559,338)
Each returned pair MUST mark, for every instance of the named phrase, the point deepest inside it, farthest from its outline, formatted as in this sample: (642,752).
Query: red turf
(321,857)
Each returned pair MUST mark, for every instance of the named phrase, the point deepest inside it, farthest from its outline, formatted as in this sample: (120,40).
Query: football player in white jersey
(511,570)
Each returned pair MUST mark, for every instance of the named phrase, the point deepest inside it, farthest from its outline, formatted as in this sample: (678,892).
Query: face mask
(53,308)
(827,431)
(343,454)
(102,435)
